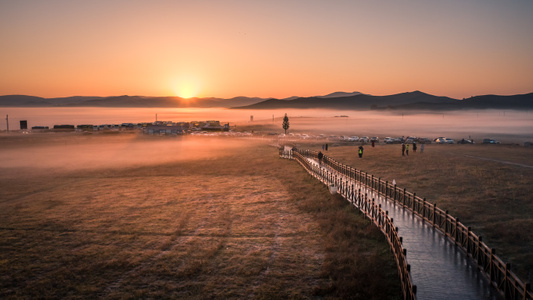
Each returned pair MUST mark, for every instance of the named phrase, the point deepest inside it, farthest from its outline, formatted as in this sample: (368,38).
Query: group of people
(361,149)
(405,148)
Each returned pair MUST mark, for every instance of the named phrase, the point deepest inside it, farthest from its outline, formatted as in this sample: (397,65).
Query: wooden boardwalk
(438,266)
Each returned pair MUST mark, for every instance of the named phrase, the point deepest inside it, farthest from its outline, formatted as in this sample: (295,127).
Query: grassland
(195,218)
(488,187)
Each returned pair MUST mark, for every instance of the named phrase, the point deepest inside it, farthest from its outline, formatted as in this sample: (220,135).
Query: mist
(512,126)
(507,125)
(71,153)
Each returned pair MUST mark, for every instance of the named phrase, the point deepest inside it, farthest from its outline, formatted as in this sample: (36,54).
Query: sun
(186,92)
(187,88)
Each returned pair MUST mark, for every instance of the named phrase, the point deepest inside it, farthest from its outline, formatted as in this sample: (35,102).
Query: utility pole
(7,122)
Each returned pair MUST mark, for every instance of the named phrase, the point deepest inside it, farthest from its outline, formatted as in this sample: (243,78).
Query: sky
(229,48)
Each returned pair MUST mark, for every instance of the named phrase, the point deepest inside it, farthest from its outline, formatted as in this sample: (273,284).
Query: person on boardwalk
(407,149)
(414,147)
(320,156)
(361,151)
(403,149)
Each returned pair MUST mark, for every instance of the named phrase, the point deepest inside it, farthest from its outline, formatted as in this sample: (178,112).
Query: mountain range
(123,101)
(339,100)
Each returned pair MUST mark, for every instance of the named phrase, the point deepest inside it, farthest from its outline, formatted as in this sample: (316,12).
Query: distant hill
(412,100)
(123,101)
(503,102)
(340,94)
(339,100)
(332,95)
(359,101)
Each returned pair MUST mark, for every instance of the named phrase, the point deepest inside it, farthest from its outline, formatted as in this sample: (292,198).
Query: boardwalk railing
(492,266)
(368,207)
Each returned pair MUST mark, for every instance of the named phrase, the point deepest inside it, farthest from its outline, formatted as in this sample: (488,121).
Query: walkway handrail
(374,212)
(498,272)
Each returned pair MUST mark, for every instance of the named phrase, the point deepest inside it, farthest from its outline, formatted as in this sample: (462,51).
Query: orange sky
(455,48)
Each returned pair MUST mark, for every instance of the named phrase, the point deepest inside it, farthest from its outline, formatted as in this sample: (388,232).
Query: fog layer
(510,125)
(72,152)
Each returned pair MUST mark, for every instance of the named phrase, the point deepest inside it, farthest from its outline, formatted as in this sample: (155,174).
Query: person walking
(373,143)
(361,151)
(403,149)
(422,148)
(320,156)
(407,149)
(414,147)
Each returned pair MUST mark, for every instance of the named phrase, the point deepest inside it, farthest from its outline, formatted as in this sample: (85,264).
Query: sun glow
(186,88)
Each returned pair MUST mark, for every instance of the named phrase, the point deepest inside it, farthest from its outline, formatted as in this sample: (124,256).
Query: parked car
(449,141)
(424,141)
(465,141)
(364,139)
(490,141)
(353,138)
(440,140)
(388,140)
(375,139)
(411,139)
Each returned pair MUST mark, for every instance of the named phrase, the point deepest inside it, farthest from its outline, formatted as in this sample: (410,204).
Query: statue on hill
(285,124)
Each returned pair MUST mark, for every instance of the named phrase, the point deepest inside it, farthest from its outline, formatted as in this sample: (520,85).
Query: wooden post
(403,197)
(468,239)
(414,208)
(456,229)
(366,201)
(353,188)
(506,291)
(491,261)
(434,213)
(479,241)
(446,223)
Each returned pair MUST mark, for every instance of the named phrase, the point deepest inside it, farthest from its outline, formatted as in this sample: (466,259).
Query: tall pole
(7,122)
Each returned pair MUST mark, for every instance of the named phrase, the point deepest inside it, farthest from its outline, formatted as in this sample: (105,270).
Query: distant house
(215,126)
(85,127)
(40,128)
(165,130)
(127,126)
(64,128)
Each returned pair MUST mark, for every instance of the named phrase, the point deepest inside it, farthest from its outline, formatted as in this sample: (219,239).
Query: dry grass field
(189,218)
(488,187)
